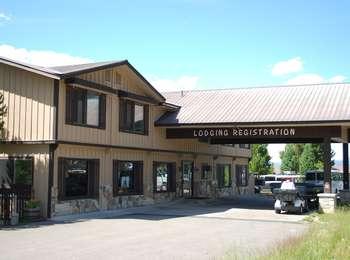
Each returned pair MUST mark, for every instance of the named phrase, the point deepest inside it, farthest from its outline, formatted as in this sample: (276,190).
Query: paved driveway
(190,229)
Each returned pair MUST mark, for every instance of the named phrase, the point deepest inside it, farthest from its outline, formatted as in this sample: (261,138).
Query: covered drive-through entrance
(281,134)
(318,113)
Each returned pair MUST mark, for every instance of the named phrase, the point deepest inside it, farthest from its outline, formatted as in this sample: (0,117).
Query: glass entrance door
(187,179)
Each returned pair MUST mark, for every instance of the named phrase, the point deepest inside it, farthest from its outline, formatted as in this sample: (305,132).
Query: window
(16,172)
(85,107)
(133,117)
(223,174)
(206,169)
(242,175)
(164,179)
(78,178)
(244,146)
(127,177)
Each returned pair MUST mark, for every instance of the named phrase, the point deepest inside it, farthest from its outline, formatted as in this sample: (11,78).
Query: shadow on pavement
(175,209)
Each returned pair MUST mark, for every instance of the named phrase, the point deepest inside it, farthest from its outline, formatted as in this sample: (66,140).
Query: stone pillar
(346,166)
(328,202)
(327,165)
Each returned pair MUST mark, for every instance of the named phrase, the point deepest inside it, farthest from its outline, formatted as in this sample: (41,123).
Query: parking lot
(184,229)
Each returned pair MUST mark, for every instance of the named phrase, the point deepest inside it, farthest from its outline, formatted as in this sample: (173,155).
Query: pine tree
(3,112)
(260,162)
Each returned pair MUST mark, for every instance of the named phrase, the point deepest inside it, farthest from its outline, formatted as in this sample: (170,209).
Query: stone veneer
(327,201)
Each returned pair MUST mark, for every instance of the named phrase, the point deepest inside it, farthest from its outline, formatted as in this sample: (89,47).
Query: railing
(12,202)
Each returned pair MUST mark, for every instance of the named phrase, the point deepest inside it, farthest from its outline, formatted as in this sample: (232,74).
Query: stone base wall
(328,202)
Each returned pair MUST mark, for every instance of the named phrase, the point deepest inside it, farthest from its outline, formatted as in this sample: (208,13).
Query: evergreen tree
(3,111)
(309,158)
(260,162)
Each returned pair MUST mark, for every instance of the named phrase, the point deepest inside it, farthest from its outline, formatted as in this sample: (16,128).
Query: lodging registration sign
(255,132)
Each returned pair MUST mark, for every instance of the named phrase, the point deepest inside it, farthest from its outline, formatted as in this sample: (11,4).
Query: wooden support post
(346,166)
(327,162)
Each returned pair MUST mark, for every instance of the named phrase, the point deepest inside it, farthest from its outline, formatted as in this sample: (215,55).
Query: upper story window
(85,107)
(133,117)
(244,146)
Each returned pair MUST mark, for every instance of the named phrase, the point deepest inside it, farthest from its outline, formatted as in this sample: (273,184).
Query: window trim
(122,128)
(101,108)
(230,175)
(61,180)
(171,187)
(115,185)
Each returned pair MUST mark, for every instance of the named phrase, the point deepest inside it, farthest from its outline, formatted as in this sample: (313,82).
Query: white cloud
(337,78)
(287,67)
(314,79)
(44,58)
(306,79)
(4,17)
(274,151)
(181,83)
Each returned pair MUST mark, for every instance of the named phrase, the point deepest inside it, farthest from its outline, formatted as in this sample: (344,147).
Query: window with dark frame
(78,178)
(242,175)
(223,175)
(16,172)
(206,169)
(85,107)
(164,177)
(127,177)
(244,146)
(133,117)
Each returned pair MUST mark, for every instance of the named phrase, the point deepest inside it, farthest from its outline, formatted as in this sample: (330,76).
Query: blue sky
(189,44)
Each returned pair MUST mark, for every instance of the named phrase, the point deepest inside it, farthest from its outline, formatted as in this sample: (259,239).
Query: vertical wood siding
(29,100)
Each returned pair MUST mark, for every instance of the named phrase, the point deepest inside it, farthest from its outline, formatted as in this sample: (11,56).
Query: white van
(316,178)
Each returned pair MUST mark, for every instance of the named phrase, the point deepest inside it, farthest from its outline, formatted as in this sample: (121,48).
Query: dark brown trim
(144,149)
(56,91)
(171,173)
(93,194)
(129,95)
(327,165)
(139,190)
(90,84)
(260,124)
(52,149)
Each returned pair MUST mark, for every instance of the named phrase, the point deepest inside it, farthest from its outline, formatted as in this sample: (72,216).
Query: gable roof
(318,103)
(62,72)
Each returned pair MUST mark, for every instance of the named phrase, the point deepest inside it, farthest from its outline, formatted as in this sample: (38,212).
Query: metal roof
(318,103)
(81,68)
(61,72)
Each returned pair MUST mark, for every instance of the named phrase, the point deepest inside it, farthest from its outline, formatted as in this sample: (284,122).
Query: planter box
(32,214)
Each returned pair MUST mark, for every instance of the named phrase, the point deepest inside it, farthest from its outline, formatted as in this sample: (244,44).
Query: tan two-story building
(85,138)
